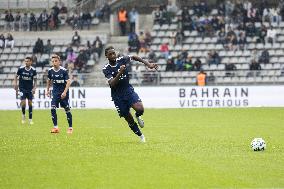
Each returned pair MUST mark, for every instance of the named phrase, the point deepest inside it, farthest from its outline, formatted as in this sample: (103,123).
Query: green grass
(186,148)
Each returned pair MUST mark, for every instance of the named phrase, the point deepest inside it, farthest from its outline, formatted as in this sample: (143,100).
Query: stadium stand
(197,38)
(12,58)
(235,62)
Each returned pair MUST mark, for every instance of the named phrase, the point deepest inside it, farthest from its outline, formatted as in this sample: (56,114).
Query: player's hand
(63,95)
(122,68)
(47,93)
(153,66)
(16,87)
(33,91)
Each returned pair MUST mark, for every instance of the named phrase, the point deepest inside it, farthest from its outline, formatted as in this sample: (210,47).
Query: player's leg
(137,105)
(65,104)
(30,103)
(124,111)
(54,105)
(23,106)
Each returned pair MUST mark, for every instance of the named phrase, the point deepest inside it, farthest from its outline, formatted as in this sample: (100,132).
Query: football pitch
(185,148)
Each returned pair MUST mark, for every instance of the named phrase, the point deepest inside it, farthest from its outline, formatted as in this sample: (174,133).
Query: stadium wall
(162,97)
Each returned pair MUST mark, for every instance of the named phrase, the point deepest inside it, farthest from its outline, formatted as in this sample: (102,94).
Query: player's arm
(35,85)
(16,87)
(146,63)
(68,83)
(48,83)
(114,81)
(16,82)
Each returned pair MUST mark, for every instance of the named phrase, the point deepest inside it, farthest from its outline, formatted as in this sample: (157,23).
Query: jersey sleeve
(107,74)
(18,72)
(126,59)
(66,76)
(35,73)
(49,75)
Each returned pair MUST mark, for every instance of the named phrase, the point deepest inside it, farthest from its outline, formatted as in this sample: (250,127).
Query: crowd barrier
(161,97)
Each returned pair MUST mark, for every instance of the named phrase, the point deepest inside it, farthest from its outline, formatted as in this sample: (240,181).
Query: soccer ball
(258,144)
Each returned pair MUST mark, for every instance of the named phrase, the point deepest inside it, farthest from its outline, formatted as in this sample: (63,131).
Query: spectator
(233,42)
(254,56)
(48,48)
(271,35)
(165,50)
(264,57)
(17,23)
(230,67)
(197,65)
(25,20)
(81,60)
(68,50)
(9,41)
(211,78)
(213,58)
(152,56)
(255,65)
(242,41)
(75,82)
(39,47)
(250,29)
(172,9)
(2,41)
(52,21)
(133,16)
(148,39)
(133,43)
(86,19)
(98,46)
(170,64)
(106,11)
(179,63)
(142,43)
(188,66)
(9,20)
(179,36)
(221,37)
(43,20)
(55,13)
(157,16)
(63,9)
(76,39)
(33,22)
(201,78)
(262,34)
(70,60)
(122,19)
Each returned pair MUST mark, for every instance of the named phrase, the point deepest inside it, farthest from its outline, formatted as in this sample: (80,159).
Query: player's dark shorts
(56,100)
(26,95)
(124,103)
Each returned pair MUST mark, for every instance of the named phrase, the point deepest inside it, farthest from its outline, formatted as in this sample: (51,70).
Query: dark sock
(139,113)
(30,112)
(54,116)
(134,127)
(24,110)
(69,118)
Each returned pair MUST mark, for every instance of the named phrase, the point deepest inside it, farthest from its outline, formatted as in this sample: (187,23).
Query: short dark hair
(29,58)
(107,49)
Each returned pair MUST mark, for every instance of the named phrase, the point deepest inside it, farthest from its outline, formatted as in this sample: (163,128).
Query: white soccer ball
(258,144)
